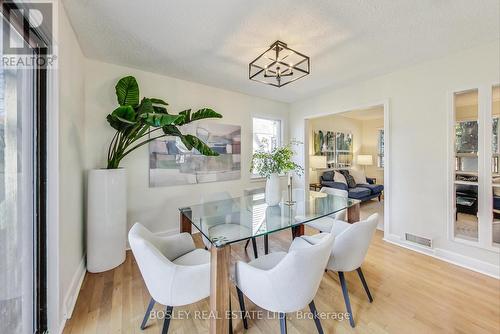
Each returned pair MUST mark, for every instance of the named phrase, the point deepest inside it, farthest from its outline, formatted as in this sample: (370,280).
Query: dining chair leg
(241,299)
(148,313)
(166,322)
(365,285)
(282,317)
(345,292)
(266,244)
(246,245)
(254,245)
(230,315)
(317,321)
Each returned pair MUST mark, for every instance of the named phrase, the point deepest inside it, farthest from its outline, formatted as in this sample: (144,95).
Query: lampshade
(365,160)
(317,161)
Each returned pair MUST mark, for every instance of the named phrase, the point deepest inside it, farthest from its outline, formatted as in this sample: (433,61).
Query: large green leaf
(125,114)
(127,91)
(191,142)
(145,107)
(172,130)
(159,120)
(122,118)
(205,113)
(114,122)
(158,101)
(200,114)
(160,110)
(186,117)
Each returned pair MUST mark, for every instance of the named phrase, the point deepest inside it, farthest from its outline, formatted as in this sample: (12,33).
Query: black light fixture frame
(279,46)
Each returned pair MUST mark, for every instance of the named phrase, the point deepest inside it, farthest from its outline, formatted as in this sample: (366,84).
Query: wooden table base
(353,213)
(219,289)
(220,258)
(184,222)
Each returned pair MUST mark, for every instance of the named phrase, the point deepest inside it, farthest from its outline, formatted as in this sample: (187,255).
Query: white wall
(157,208)
(418,119)
(67,230)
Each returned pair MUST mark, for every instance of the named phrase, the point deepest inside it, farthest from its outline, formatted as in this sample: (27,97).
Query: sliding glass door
(22,200)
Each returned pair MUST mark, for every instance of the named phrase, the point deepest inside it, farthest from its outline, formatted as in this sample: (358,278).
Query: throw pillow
(359,176)
(338,177)
(328,176)
(350,180)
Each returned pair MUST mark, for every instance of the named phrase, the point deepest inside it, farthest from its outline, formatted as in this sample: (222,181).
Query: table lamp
(365,160)
(317,162)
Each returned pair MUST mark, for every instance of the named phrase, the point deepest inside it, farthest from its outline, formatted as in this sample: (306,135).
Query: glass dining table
(232,220)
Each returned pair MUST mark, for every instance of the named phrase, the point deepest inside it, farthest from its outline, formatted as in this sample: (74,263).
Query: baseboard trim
(74,289)
(466,262)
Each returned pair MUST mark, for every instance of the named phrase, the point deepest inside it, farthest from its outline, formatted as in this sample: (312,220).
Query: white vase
(273,191)
(106,219)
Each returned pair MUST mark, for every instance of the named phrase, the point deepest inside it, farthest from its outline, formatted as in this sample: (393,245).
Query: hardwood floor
(413,293)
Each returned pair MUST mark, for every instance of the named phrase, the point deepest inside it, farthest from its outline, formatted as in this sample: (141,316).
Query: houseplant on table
(136,122)
(270,165)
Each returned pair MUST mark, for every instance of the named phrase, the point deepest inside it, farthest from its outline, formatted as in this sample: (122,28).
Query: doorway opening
(348,150)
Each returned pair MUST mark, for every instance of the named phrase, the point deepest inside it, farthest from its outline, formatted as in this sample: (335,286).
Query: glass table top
(231,220)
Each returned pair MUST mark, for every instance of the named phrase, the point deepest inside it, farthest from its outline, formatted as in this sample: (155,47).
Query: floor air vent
(418,240)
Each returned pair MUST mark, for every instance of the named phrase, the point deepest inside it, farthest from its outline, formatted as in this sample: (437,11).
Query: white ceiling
(212,42)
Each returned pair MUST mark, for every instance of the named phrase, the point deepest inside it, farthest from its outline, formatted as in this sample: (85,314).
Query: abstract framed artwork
(171,164)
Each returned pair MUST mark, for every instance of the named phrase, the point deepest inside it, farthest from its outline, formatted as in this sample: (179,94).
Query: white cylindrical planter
(273,191)
(106,219)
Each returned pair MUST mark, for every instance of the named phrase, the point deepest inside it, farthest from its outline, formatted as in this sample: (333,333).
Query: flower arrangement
(278,161)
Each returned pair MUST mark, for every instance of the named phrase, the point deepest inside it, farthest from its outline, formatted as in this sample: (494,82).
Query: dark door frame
(39,43)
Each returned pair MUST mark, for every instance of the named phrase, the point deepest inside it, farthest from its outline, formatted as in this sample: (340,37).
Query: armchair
(175,272)
(285,282)
(351,245)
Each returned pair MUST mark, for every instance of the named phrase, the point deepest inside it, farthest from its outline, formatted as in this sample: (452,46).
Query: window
(336,146)
(380,147)
(266,134)
(494,140)
(466,185)
(343,150)
(475,210)
(495,173)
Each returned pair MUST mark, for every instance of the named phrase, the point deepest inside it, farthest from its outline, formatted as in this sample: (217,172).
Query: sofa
(362,192)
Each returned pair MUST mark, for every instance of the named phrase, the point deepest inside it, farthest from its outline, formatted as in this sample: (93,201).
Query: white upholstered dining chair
(326,223)
(351,245)
(223,224)
(285,282)
(176,273)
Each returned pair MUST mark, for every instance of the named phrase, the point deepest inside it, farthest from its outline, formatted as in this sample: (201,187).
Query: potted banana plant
(136,123)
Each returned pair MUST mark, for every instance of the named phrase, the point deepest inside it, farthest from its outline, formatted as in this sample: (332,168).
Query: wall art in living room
(172,164)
